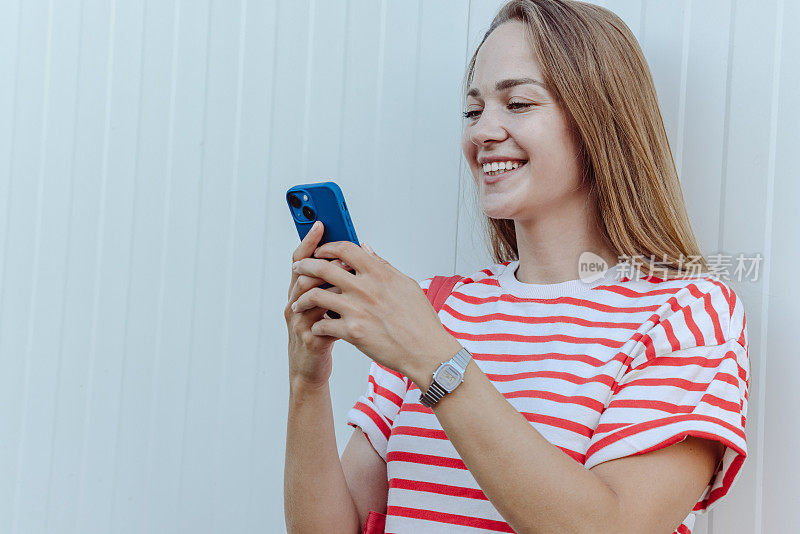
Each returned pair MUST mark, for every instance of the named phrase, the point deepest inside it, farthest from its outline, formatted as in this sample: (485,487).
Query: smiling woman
(633,389)
(534,400)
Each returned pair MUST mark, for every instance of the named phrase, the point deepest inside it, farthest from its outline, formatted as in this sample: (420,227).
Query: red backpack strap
(376,523)
(440,289)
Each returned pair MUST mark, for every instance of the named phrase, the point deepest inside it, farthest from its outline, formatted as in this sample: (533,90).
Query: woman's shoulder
(697,299)
(487,275)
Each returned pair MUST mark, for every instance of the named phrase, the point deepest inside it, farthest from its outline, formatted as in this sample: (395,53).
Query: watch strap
(433,395)
(461,359)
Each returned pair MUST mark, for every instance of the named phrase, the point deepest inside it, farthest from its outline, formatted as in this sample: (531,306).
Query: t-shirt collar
(508,281)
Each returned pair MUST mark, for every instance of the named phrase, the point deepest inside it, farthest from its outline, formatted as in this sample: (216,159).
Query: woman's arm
(315,490)
(536,487)
(365,472)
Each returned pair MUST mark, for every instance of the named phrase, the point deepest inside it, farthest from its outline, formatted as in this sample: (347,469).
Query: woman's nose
(487,128)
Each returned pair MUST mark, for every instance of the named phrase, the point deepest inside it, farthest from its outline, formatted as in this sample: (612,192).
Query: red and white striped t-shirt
(602,370)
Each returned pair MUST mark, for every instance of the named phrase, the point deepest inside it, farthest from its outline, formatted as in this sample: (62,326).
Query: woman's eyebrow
(508,84)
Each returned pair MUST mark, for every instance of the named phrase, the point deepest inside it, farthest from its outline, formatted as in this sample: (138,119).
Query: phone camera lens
(294,201)
(308,212)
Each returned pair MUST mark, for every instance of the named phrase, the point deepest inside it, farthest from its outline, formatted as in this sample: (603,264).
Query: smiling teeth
(502,166)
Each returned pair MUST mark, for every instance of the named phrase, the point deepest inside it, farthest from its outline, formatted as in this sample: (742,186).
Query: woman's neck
(550,246)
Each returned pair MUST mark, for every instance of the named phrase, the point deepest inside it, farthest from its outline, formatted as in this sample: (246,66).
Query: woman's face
(514,118)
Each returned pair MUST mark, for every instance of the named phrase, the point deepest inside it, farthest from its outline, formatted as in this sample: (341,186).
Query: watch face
(448,377)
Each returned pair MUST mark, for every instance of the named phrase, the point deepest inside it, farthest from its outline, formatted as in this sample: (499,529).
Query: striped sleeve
(375,410)
(689,375)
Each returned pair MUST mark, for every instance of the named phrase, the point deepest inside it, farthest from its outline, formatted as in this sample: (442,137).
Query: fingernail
(315,225)
(294,265)
(369,248)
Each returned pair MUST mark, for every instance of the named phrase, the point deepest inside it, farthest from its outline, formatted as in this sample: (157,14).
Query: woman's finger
(305,283)
(317,298)
(306,248)
(309,243)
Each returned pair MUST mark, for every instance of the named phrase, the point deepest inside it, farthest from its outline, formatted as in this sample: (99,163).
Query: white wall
(145,147)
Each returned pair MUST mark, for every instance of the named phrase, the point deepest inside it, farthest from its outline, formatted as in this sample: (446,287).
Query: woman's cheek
(468,149)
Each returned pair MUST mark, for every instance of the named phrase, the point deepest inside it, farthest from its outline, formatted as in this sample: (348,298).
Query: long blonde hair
(595,69)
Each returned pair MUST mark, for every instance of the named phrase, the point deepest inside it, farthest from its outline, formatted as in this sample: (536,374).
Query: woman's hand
(309,354)
(384,313)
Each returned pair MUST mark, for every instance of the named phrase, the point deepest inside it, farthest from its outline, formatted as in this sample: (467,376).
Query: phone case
(326,202)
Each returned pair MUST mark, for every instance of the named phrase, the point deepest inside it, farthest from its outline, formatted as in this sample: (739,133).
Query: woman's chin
(496,211)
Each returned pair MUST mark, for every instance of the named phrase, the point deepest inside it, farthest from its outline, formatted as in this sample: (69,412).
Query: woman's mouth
(496,171)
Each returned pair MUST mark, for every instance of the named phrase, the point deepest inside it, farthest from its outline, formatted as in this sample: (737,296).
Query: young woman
(610,404)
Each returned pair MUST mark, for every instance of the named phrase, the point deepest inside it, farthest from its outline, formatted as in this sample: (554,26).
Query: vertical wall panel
(42,337)
(402,85)
(263,498)
(781,370)
(87,215)
(123,79)
(164,394)
(251,501)
(130,486)
(665,43)
(70,394)
(211,263)
(743,222)
(237,355)
(704,120)
(182,189)
(19,205)
(56,191)
(437,137)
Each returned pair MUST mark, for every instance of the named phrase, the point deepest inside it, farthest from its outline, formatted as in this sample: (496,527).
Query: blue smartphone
(322,201)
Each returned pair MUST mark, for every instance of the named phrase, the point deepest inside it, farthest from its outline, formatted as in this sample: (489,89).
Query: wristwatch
(446,378)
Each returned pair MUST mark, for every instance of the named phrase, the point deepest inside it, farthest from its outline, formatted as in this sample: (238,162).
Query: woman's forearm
(315,491)
(530,481)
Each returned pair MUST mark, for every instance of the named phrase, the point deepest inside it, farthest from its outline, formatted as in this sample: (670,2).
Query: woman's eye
(512,105)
